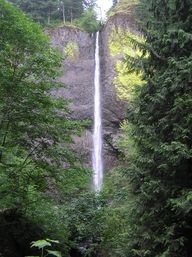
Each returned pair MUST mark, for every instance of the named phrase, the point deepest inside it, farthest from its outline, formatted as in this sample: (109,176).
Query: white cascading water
(97,136)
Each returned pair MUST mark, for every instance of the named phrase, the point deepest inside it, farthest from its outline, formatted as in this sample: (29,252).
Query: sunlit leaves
(71,50)
(40,244)
(123,44)
(54,253)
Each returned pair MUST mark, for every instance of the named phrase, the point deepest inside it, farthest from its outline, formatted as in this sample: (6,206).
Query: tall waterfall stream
(97,135)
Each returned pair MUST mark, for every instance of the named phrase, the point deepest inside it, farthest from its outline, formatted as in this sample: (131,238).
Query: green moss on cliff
(121,44)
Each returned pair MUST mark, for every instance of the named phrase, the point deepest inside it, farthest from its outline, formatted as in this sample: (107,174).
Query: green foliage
(40,244)
(71,50)
(160,124)
(122,7)
(145,206)
(116,203)
(36,160)
(88,21)
(99,222)
(28,66)
(54,253)
(121,43)
(55,12)
(43,245)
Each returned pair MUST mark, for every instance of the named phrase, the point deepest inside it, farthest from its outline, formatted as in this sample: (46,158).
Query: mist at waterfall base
(97,135)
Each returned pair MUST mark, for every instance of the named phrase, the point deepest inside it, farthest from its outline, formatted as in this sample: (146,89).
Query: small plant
(43,245)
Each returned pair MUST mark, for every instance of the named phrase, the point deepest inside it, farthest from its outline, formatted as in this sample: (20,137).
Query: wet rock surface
(78,81)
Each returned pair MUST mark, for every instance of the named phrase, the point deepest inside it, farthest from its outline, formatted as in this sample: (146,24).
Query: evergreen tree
(161,171)
(47,11)
(40,10)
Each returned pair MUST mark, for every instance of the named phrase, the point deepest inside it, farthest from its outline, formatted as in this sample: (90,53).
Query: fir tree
(161,171)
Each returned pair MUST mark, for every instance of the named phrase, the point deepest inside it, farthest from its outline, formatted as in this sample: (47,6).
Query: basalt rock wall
(78,84)
(78,80)
(113,108)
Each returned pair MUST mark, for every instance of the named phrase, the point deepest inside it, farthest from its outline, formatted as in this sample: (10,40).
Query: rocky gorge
(78,83)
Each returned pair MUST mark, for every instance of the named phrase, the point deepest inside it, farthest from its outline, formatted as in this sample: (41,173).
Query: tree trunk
(49,16)
(63,11)
(71,15)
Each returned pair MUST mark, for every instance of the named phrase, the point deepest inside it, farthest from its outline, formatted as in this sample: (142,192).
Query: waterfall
(97,136)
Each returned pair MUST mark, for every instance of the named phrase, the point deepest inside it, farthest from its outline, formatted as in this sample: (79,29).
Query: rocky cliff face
(78,69)
(113,109)
(78,80)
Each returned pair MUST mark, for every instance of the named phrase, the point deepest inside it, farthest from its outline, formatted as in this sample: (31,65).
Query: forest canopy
(50,11)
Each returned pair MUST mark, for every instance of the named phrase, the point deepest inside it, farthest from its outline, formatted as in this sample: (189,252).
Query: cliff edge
(78,83)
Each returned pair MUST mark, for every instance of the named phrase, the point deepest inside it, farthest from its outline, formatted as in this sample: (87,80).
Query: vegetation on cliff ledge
(79,13)
(159,128)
